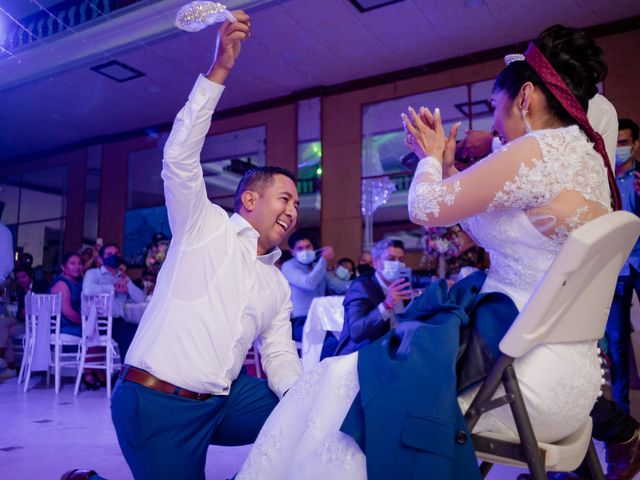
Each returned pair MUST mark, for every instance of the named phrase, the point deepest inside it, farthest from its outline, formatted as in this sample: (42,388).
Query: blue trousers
(164,436)
(619,334)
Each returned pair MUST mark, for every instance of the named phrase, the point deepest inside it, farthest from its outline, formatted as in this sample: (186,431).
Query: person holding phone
(374,298)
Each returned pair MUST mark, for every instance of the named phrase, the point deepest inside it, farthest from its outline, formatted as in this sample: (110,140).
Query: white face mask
(342,273)
(306,256)
(496,144)
(391,269)
(623,154)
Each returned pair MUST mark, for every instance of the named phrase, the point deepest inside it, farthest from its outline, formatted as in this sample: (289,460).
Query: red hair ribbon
(567,99)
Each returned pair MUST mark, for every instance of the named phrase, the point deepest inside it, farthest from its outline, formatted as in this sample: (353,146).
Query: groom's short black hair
(258,179)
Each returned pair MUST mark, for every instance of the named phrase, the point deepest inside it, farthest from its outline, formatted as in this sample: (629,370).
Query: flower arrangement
(156,254)
(442,243)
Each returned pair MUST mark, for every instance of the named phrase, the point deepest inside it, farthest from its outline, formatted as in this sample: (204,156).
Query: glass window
(224,159)
(33,206)
(386,179)
(309,165)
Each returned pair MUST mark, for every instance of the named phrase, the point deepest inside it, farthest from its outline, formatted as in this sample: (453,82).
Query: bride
(520,204)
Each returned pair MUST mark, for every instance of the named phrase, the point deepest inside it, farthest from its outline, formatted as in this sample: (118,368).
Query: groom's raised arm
(185,192)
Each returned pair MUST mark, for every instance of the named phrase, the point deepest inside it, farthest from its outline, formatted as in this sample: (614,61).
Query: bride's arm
(436,201)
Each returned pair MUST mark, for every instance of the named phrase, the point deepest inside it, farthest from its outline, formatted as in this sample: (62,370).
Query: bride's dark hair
(573,55)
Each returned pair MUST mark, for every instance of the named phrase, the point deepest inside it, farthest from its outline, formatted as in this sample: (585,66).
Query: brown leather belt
(135,375)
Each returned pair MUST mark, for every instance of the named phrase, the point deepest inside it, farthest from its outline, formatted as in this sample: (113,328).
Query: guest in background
(6,252)
(13,327)
(365,264)
(374,298)
(108,278)
(619,324)
(69,285)
(90,258)
(338,280)
(306,273)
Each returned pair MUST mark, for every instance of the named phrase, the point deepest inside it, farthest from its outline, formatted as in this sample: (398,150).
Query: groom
(182,387)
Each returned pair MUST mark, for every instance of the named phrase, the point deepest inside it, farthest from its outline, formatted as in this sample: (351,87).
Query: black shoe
(90,382)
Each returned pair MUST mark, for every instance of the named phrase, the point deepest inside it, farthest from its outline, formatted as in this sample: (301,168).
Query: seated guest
(364,263)
(306,274)
(69,285)
(14,327)
(89,258)
(374,298)
(108,278)
(338,281)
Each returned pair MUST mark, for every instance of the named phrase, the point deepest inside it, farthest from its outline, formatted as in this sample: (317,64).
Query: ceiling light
(478,108)
(367,5)
(117,71)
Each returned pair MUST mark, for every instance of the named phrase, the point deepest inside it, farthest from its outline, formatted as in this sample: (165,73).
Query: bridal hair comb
(198,15)
(513,57)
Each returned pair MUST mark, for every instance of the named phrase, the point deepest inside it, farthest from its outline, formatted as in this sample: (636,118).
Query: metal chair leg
(529,444)
(594,462)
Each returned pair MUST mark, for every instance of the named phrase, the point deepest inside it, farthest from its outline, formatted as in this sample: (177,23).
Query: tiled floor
(43,435)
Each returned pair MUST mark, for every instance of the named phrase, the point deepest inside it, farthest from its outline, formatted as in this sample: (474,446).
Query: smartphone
(406,275)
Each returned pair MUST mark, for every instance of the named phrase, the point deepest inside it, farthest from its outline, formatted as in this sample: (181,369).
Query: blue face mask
(114,261)
(342,273)
(305,256)
(623,154)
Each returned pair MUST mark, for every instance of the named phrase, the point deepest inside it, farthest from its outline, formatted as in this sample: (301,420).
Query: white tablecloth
(42,349)
(133,312)
(326,314)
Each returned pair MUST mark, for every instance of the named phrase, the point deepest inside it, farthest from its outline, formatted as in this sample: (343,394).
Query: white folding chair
(96,312)
(570,304)
(26,338)
(47,308)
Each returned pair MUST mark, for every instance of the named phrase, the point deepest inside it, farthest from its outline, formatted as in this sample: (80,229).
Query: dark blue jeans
(619,334)
(164,436)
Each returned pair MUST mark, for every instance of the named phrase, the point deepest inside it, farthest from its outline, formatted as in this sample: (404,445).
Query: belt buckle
(201,396)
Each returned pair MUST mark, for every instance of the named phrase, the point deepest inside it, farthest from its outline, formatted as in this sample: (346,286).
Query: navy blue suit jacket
(406,417)
(363,322)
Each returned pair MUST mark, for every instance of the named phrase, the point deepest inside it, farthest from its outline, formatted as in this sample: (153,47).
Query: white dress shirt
(214,295)
(6,252)
(101,280)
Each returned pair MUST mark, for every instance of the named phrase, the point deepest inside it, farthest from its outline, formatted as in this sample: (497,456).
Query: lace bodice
(520,203)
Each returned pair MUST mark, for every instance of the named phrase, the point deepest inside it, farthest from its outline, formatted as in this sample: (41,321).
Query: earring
(527,126)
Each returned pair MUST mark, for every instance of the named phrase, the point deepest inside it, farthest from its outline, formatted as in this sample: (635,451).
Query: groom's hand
(228,44)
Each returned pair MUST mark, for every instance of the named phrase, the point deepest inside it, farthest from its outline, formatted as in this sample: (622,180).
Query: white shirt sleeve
(91,284)
(6,252)
(190,211)
(278,351)
(135,294)
(305,280)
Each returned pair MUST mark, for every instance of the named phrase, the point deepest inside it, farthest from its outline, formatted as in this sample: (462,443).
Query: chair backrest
(43,304)
(99,305)
(572,300)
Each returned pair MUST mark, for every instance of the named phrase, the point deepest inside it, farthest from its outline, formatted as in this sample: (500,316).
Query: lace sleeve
(436,202)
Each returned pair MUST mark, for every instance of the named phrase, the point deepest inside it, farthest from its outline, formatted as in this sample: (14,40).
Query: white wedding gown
(519,204)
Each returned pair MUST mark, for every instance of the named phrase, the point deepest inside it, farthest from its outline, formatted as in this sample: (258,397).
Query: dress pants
(619,334)
(611,424)
(10,327)
(123,333)
(165,436)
